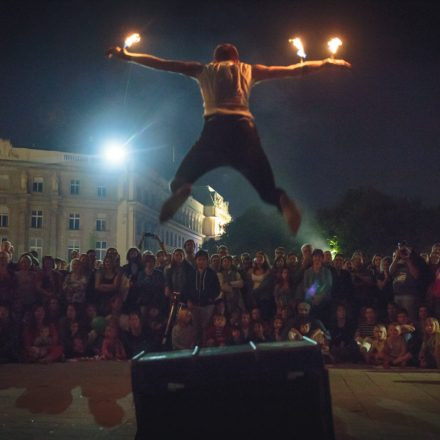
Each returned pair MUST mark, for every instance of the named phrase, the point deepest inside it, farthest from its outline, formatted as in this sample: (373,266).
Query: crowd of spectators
(382,310)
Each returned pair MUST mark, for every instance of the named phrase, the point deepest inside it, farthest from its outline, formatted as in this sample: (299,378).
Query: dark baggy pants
(230,140)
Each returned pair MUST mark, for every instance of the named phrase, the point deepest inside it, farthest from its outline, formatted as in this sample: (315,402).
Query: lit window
(74,187)
(101,224)
(74,221)
(102,191)
(72,246)
(36,244)
(101,249)
(37,185)
(4,216)
(37,219)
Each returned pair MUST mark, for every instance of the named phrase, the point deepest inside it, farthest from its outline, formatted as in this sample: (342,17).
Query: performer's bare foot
(290,213)
(174,202)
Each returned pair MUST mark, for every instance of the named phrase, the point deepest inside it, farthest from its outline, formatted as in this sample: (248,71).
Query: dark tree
(257,229)
(375,222)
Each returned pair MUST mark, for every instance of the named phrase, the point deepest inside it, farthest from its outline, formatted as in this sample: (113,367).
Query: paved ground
(92,400)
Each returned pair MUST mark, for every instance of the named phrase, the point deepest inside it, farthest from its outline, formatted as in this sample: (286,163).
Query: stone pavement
(93,400)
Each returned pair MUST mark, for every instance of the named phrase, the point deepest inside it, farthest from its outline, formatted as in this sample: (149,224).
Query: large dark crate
(238,391)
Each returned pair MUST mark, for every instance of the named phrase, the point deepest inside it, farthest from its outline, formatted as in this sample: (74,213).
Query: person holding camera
(407,273)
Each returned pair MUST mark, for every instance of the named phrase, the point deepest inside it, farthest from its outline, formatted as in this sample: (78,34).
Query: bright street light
(115,153)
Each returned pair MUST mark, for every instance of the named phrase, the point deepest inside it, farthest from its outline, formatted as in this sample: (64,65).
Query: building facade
(56,202)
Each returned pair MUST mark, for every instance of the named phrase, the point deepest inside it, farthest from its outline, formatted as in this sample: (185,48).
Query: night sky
(377,125)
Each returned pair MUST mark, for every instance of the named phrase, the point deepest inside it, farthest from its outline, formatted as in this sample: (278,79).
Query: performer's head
(226,52)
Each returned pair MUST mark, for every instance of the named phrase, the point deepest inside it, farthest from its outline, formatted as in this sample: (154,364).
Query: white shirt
(225,88)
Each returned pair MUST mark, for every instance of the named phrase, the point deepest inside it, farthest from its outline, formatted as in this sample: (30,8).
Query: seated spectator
(34,332)
(364,333)
(7,279)
(245,326)
(277,330)
(429,356)
(9,336)
(343,347)
(217,334)
(53,311)
(112,348)
(236,335)
(183,335)
(303,317)
(135,338)
(375,355)
(391,313)
(395,351)
(257,334)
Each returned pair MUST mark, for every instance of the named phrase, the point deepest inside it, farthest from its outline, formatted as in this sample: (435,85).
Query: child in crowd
(258,332)
(112,348)
(245,324)
(184,334)
(375,356)
(42,344)
(395,351)
(236,336)
(277,329)
(429,355)
(217,334)
(364,333)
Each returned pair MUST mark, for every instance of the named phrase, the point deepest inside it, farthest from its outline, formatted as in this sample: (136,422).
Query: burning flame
(296,42)
(334,44)
(132,39)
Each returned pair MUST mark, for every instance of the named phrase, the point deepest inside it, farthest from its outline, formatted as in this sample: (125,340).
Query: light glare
(115,153)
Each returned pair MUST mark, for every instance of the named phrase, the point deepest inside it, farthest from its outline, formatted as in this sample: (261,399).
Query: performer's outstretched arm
(189,68)
(261,72)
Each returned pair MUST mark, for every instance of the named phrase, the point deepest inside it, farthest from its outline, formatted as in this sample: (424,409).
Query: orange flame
(334,44)
(132,39)
(296,42)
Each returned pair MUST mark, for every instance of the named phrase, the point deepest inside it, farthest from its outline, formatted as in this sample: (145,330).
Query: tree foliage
(370,220)
(257,229)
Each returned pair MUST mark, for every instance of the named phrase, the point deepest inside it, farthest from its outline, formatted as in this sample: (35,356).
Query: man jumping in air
(229,136)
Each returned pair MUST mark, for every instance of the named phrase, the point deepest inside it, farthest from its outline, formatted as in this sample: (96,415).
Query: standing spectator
(318,285)
(130,272)
(364,285)
(384,284)
(407,275)
(190,247)
(205,289)
(150,285)
(261,295)
(284,292)
(107,282)
(50,280)
(231,284)
(27,284)
(75,283)
(179,275)
(342,286)
(215,263)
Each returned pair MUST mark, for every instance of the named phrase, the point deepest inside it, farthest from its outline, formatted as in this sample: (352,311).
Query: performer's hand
(337,62)
(116,52)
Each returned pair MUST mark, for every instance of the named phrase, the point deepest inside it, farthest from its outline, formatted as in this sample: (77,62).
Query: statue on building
(55,182)
(24,181)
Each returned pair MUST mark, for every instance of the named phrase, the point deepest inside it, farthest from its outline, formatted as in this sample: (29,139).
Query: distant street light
(115,153)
